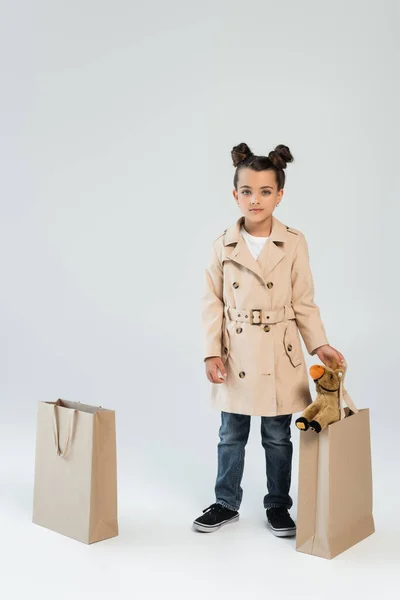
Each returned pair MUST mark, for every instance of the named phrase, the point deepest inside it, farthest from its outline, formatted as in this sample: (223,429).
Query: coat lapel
(270,255)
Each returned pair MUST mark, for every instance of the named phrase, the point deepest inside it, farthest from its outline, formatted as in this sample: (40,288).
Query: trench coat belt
(256,316)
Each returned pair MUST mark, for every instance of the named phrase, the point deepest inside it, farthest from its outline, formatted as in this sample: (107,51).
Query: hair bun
(239,153)
(280,156)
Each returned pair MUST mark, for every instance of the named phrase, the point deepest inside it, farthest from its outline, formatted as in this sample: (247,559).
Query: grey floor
(158,555)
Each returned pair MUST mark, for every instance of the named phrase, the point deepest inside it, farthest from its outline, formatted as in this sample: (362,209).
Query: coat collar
(278,231)
(270,255)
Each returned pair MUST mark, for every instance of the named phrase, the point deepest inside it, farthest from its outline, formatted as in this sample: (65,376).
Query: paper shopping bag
(335,484)
(75,483)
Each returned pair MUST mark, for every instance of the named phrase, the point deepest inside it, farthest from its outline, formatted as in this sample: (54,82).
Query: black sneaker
(280,521)
(215,516)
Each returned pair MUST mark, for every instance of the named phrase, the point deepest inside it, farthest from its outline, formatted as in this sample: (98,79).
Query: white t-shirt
(254,242)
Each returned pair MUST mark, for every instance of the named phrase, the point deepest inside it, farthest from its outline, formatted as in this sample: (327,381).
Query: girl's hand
(213,365)
(329,356)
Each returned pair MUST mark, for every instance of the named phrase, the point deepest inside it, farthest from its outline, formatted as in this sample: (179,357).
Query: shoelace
(214,507)
(279,509)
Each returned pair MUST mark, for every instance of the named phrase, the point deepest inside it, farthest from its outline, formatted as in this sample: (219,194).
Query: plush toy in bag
(334,503)
(327,408)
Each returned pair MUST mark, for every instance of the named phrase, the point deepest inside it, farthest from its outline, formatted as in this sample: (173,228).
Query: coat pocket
(292,344)
(226,343)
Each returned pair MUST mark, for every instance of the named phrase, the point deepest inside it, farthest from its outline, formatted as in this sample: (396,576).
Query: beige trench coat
(261,349)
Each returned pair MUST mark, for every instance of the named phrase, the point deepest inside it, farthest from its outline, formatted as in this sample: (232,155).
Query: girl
(258,296)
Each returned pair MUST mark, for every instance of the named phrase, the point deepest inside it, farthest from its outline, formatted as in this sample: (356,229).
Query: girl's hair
(276,161)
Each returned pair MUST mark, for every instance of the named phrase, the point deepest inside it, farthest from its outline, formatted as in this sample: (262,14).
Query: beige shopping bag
(75,484)
(335,484)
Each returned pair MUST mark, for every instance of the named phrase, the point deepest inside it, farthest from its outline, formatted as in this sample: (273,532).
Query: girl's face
(257,194)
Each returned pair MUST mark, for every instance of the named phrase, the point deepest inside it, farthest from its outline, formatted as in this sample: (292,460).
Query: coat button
(226,350)
(267,327)
(289,347)
(235,284)
(269,284)
(239,330)
(242,374)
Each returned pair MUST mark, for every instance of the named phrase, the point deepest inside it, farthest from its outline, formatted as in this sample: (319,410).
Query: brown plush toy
(326,408)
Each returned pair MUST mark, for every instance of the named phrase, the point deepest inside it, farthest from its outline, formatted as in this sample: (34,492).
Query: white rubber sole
(210,528)
(282,532)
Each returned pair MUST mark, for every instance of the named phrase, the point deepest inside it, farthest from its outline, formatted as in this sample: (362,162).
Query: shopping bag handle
(68,437)
(344,395)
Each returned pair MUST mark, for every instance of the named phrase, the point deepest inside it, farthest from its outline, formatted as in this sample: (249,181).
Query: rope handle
(68,437)
(344,396)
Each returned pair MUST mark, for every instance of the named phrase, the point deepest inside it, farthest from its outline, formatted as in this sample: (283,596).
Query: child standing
(259,294)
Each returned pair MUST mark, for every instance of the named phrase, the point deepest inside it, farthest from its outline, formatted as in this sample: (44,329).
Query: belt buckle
(252,316)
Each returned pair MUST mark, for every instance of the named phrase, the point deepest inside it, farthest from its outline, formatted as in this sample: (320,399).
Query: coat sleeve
(307,313)
(212,306)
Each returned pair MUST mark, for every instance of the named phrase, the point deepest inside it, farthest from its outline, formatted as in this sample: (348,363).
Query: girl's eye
(245,192)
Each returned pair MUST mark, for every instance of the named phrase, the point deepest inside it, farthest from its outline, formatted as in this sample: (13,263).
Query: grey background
(117,123)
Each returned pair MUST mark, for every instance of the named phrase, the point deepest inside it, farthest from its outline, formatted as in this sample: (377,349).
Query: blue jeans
(276,440)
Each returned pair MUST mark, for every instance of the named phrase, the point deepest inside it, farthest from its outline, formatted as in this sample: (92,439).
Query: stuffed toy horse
(327,408)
